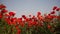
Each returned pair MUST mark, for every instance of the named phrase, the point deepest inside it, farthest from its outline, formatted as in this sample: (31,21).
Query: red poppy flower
(40,17)
(53,12)
(0,16)
(19,20)
(11,13)
(18,31)
(38,13)
(24,16)
(49,16)
(8,21)
(13,21)
(22,24)
(49,26)
(4,11)
(16,27)
(55,7)
(35,23)
(30,24)
(2,6)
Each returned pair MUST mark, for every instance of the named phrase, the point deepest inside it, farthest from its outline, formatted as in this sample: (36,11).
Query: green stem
(27,32)
(30,31)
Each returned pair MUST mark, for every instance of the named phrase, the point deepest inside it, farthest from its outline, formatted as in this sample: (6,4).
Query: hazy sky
(30,6)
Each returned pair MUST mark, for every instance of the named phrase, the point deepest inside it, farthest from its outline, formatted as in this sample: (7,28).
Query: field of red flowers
(47,24)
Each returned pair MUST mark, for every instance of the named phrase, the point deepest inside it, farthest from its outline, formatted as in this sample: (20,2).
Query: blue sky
(30,6)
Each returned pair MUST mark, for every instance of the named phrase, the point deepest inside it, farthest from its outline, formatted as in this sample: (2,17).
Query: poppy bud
(55,7)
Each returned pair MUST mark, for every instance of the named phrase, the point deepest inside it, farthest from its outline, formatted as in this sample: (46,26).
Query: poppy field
(46,24)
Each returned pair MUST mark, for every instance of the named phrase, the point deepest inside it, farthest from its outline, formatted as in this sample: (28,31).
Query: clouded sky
(30,6)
